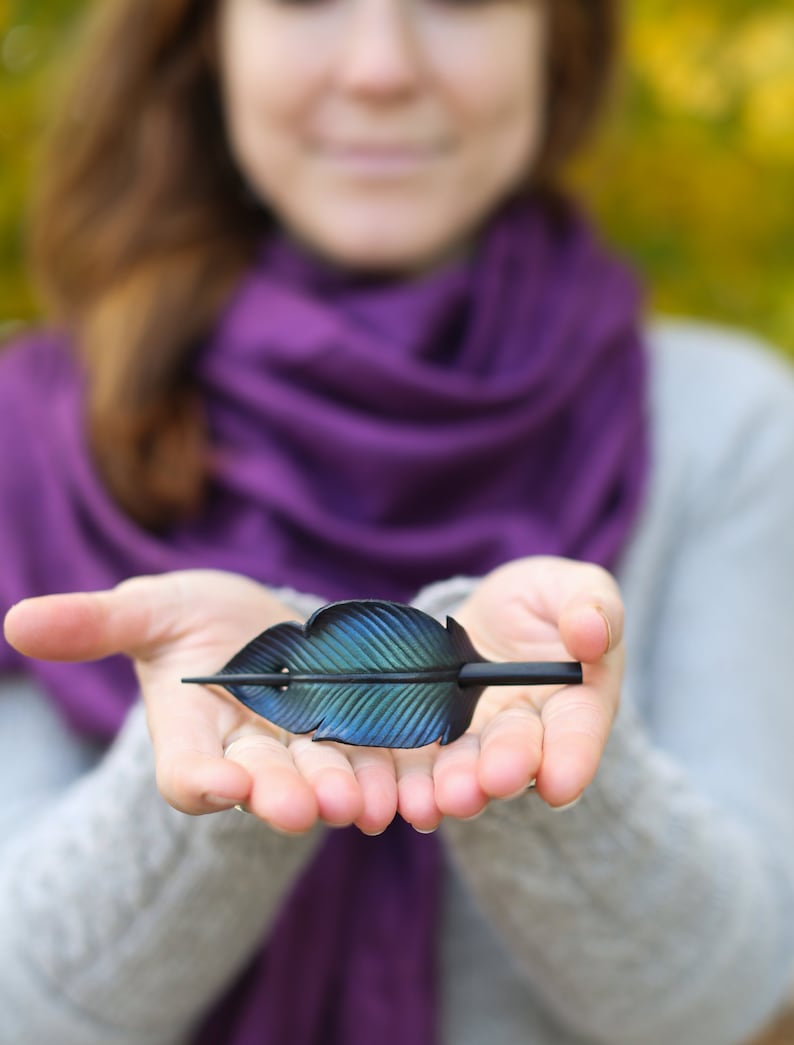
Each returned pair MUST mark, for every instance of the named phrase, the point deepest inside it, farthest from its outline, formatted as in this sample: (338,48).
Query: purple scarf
(370,437)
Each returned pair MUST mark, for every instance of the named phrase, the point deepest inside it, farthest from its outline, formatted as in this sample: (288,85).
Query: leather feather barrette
(373,673)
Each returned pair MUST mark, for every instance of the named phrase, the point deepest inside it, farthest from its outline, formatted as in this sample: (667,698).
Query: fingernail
(605,619)
(425,830)
(568,805)
(521,790)
(220,802)
(241,808)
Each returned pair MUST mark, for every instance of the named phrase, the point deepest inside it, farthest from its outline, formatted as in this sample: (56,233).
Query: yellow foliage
(693,173)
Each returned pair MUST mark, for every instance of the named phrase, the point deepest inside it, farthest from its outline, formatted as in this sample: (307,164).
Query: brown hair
(143,226)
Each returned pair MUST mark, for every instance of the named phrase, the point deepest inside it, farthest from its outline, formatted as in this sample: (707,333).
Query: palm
(535,609)
(515,632)
(211,752)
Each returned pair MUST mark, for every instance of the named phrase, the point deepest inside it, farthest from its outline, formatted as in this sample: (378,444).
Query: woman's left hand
(538,608)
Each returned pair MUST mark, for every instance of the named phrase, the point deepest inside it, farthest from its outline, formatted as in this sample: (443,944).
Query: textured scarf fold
(351,958)
(369,437)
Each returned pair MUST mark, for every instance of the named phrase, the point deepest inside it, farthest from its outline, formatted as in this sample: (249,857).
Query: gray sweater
(658,910)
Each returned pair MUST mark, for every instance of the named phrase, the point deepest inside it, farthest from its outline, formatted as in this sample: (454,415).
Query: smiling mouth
(390,160)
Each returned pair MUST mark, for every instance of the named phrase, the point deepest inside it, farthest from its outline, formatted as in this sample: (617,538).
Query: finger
(576,727)
(591,625)
(524,603)
(130,618)
(511,750)
(327,770)
(376,774)
(584,600)
(456,778)
(416,794)
(65,627)
(279,793)
(141,616)
(186,727)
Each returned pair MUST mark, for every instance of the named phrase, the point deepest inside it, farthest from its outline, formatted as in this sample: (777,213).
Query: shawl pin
(373,673)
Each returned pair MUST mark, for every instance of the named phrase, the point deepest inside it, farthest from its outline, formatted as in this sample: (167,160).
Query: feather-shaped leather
(410,698)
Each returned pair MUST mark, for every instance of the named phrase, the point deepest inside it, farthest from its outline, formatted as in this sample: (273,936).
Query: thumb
(90,625)
(591,624)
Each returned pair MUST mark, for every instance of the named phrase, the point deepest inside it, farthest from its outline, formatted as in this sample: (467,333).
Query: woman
(337,336)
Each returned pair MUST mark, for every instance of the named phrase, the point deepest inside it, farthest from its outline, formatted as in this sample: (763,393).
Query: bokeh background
(692,176)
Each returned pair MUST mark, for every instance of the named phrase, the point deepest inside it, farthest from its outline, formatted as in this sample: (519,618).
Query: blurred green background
(691,176)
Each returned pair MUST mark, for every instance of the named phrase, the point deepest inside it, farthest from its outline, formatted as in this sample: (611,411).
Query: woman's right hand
(211,752)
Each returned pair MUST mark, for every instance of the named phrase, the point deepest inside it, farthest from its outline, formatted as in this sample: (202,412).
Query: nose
(381,54)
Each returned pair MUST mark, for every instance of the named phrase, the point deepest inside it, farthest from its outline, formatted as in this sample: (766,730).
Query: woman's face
(381,132)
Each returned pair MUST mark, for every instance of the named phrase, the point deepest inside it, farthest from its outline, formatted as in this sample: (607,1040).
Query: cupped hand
(539,608)
(211,752)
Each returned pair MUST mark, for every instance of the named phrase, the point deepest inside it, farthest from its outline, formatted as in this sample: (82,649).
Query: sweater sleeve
(661,907)
(121,919)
